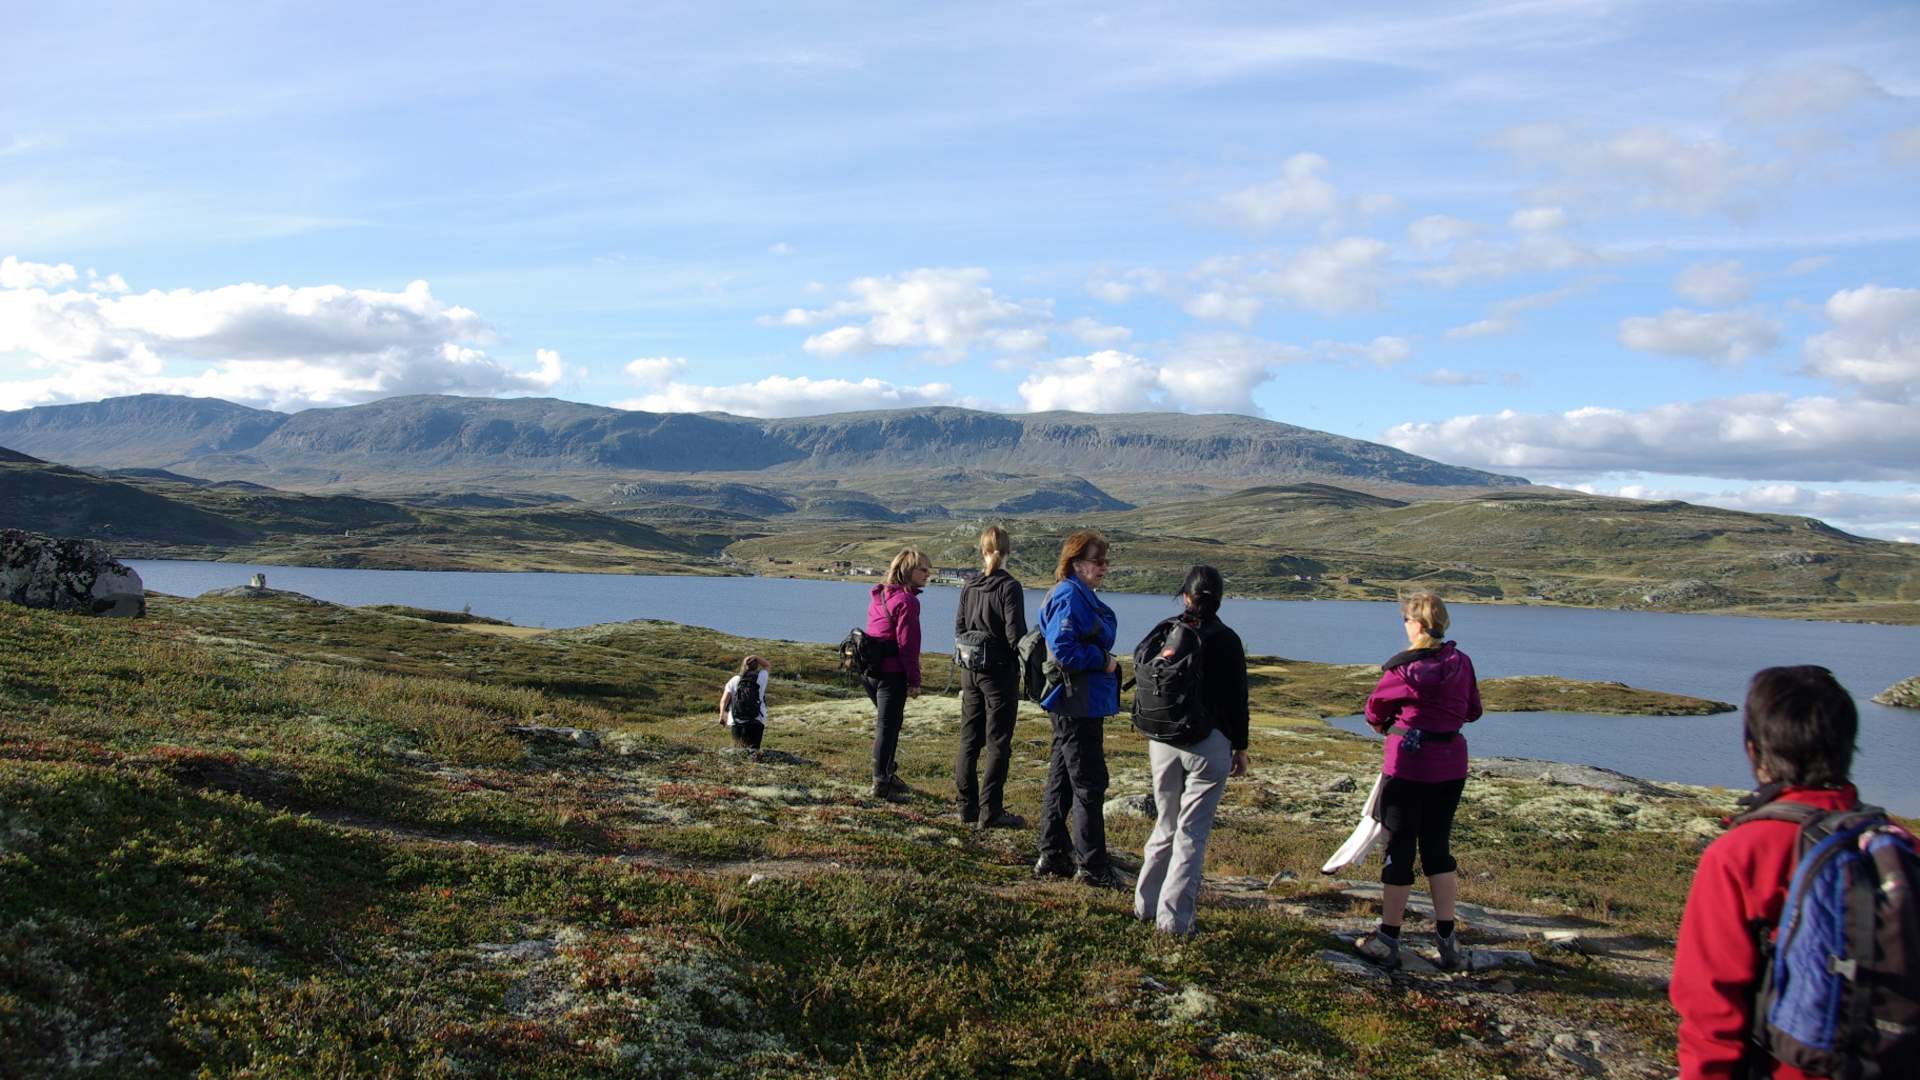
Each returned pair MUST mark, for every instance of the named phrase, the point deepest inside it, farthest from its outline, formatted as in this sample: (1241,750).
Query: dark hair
(1802,724)
(749,663)
(1085,544)
(1202,590)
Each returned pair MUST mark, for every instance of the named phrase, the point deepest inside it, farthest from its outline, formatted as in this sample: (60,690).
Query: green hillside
(259,837)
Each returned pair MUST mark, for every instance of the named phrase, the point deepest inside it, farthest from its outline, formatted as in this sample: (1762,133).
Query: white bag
(1364,836)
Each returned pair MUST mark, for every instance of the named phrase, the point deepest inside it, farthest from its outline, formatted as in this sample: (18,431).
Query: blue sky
(1659,249)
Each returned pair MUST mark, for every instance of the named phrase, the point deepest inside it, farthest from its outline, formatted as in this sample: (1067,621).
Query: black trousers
(888,691)
(747,735)
(1415,811)
(1076,788)
(989,702)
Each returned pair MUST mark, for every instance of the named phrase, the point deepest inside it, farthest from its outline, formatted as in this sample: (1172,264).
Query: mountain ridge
(429,434)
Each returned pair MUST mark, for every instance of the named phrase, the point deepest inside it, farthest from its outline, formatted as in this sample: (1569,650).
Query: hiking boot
(897,785)
(888,790)
(1005,819)
(1449,953)
(1380,949)
(1104,878)
(1053,864)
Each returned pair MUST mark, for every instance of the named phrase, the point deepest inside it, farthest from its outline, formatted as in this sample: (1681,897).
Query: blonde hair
(1427,609)
(900,570)
(995,546)
(1085,544)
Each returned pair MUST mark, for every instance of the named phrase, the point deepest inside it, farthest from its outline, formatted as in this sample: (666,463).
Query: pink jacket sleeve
(1384,704)
(906,631)
(1473,692)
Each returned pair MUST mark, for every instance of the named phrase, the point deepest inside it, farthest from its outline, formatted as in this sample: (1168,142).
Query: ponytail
(1202,590)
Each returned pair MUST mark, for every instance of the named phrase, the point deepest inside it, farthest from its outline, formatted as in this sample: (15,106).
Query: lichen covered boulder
(67,575)
(1905,694)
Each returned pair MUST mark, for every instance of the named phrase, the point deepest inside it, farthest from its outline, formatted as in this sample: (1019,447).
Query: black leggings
(1412,810)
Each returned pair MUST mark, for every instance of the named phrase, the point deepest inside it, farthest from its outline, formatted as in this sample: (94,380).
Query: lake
(1705,655)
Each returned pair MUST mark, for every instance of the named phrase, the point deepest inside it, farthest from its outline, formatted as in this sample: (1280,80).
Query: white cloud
(1436,232)
(1342,276)
(1533,249)
(1095,332)
(656,370)
(1113,292)
(947,312)
(1902,147)
(1724,337)
(1299,195)
(1802,93)
(1106,381)
(1646,168)
(1809,264)
(1221,305)
(781,248)
(1753,437)
(277,346)
(781,395)
(1538,219)
(16,274)
(1874,343)
(1445,377)
(1504,317)
(1717,283)
(110,283)
(1868,513)
(1203,373)
(1382,351)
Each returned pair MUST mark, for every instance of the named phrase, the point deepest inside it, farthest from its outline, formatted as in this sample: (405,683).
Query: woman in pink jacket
(1425,695)
(893,617)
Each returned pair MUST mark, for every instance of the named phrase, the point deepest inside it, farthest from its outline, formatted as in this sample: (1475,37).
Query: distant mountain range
(392,442)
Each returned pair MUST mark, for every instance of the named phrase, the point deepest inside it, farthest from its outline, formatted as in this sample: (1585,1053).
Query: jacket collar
(1408,656)
(1838,798)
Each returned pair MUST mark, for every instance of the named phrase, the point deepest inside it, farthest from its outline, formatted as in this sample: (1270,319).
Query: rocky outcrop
(1905,694)
(67,575)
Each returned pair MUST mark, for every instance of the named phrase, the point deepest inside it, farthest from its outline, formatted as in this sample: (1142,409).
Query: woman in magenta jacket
(1425,695)
(893,617)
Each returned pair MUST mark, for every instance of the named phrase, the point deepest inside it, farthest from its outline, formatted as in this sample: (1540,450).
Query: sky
(1665,250)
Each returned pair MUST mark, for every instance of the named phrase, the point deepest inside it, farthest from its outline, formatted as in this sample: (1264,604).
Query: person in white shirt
(743,704)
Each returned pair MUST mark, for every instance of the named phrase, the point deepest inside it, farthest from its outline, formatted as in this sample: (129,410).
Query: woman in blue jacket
(1080,632)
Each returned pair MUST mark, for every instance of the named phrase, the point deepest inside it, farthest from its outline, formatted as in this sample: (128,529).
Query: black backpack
(1169,696)
(861,652)
(1838,995)
(1039,674)
(746,698)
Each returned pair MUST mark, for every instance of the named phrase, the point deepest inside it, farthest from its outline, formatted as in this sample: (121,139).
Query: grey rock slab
(1134,806)
(1575,1058)
(1490,922)
(1348,964)
(565,736)
(67,575)
(1488,959)
(1555,772)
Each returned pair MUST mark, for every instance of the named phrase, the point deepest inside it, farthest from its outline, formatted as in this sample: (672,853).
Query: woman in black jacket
(1189,778)
(990,622)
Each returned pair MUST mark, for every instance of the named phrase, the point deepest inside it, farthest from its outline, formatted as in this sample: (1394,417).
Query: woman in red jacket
(1425,695)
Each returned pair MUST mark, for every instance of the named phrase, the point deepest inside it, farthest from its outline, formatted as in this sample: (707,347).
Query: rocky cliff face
(425,434)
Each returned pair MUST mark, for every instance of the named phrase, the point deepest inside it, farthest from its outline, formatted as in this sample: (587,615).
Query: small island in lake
(1905,694)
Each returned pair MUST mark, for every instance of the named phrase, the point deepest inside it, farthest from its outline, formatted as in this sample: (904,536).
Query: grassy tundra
(280,838)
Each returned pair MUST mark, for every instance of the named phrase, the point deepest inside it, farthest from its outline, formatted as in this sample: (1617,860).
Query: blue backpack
(1840,991)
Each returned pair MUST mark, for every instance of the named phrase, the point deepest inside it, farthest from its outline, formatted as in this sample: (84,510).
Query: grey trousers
(1187,784)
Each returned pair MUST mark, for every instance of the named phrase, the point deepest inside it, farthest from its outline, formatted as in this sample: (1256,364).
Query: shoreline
(729,569)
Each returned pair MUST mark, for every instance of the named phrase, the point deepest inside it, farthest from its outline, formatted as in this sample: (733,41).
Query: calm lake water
(1704,655)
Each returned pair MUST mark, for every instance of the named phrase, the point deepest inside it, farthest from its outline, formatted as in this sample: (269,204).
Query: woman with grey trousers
(1189,779)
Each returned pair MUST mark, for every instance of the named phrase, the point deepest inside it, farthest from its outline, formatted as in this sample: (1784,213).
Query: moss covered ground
(255,837)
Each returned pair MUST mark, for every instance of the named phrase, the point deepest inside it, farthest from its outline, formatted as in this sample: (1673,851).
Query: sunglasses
(1096,562)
